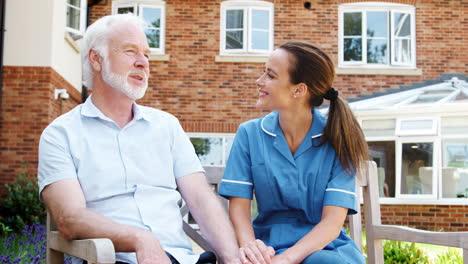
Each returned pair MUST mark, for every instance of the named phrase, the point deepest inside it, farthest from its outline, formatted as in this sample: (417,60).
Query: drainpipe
(2,30)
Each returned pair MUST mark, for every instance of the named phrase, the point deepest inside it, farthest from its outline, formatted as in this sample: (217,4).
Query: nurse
(300,165)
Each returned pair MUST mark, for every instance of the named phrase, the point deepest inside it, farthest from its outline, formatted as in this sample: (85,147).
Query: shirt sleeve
(341,189)
(185,160)
(237,179)
(55,161)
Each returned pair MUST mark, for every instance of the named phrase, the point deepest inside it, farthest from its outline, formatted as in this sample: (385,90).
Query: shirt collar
(270,124)
(90,110)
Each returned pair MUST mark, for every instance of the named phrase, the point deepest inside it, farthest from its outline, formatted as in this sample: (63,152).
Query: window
(76,18)
(246,27)
(377,35)
(212,149)
(154,16)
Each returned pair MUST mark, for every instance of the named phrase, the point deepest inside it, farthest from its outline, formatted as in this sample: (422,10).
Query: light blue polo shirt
(291,190)
(126,174)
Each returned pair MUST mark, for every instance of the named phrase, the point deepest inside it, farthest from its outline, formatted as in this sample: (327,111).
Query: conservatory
(419,140)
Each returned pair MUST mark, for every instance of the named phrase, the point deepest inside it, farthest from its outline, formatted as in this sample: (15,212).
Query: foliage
(451,256)
(397,252)
(21,206)
(201,145)
(28,246)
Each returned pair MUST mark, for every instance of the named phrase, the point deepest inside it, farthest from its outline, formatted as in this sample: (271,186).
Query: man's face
(126,67)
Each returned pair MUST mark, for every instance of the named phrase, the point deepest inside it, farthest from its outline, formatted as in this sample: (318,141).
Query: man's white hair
(96,37)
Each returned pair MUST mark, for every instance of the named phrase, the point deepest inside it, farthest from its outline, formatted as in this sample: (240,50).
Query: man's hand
(149,251)
(256,252)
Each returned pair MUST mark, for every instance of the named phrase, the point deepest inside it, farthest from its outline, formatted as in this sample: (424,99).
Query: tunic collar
(270,124)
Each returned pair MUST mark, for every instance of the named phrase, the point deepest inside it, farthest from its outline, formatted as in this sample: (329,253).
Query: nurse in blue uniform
(300,165)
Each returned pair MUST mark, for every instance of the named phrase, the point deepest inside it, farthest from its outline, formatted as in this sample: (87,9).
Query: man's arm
(65,201)
(210,216)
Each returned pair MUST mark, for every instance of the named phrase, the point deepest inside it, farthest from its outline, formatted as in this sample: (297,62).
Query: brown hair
(313,67)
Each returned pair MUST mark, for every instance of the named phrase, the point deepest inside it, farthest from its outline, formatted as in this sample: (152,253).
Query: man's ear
(95,60)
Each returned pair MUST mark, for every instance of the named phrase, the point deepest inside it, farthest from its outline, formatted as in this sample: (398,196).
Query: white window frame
(417,132)
(138,7)
(247,7)
(223,136)
(83,14)
(390,8)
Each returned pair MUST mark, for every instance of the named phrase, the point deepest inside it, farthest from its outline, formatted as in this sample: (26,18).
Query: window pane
(234,19)
(152,17)
(73,18)
(352,49)
(377,51)
(260,40)
(229,142)
(455,168)
(352,24)
(383,153)
(379,128)
(377,24)
(125,10)
(402,25)
(209,150)
(416,125)
(76,3)
(260,19)
(234,39)
(402,51)
(153,36)
(416,168)
(454,125)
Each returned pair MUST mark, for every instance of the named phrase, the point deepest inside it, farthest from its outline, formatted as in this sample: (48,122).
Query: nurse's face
(275,91)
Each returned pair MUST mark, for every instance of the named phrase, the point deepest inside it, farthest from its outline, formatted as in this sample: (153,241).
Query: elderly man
(110,167)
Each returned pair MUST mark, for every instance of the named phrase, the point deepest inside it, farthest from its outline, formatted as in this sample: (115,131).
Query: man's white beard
(120,82)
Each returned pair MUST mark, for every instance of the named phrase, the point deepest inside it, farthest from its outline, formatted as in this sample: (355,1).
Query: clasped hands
(256,252)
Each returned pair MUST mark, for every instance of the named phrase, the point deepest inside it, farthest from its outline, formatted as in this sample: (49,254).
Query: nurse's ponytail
(312,66)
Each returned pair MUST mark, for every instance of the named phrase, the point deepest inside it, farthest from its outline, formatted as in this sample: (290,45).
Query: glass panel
(402,25)
(153,36)
(377,51)
(379,128)
(152,17)
(410,125)
(260,40)
(454,125)
(76,3)
(455,168)
(377,25)
(234,39)
(73,18)
(352,49)
(352,24)
(416,168)
(402,50)
(234,19)
(383,153)
(209,150)
(260,19)
(228,143)
(125,10)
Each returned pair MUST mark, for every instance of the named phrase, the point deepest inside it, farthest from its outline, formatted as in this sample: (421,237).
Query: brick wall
(217,96)
(28,106)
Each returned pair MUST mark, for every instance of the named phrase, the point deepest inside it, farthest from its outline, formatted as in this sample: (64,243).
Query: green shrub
(397,252)
(451,256)
(21,206)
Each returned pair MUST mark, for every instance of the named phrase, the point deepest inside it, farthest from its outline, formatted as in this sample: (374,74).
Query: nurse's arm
(252,249)
(65,201)
(322,234)
(210,215)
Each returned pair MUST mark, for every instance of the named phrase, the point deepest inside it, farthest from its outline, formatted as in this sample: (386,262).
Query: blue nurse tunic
(291,190)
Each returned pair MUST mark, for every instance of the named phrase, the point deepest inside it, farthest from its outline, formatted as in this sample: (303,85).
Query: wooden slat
(355,221)
(197,238)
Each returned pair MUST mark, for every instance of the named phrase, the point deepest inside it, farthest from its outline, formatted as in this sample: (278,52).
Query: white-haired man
(110,168)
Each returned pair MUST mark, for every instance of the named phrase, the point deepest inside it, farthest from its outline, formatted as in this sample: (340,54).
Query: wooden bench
(101,251)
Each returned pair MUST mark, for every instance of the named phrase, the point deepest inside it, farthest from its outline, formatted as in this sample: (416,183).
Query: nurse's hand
(256,252)
(280,259)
